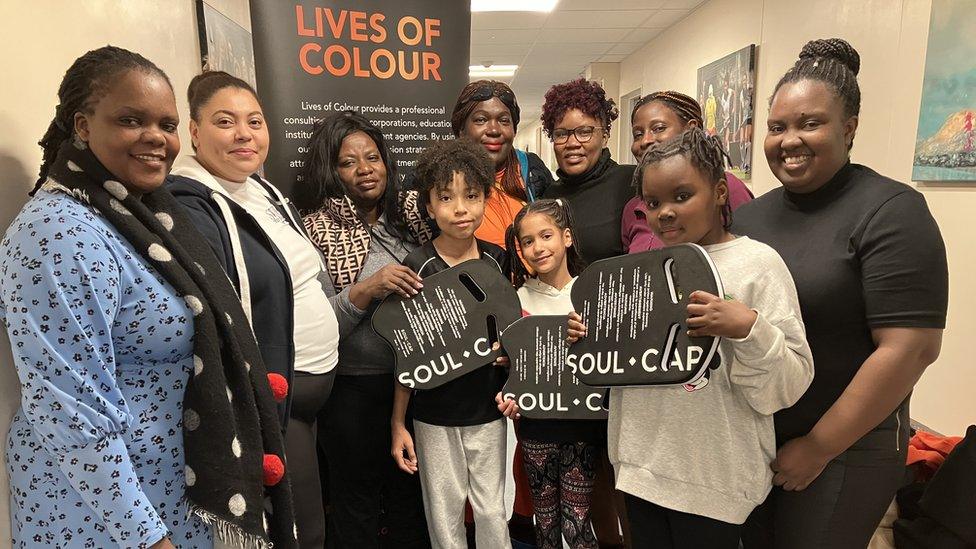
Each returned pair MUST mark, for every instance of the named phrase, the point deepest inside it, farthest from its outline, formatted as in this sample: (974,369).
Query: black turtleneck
(865,253)
(597,198)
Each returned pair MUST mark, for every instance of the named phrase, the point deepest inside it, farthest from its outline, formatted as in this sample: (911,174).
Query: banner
(401,63)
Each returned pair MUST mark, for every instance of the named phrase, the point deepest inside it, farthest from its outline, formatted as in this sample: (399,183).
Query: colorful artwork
(945,145)
(225,45)
(726,92)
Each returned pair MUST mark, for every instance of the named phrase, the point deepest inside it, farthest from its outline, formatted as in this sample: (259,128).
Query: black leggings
(372,502)
(841,509)
(656,527)
(309,394)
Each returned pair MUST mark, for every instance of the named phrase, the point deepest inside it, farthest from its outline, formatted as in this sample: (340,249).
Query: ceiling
(556,47)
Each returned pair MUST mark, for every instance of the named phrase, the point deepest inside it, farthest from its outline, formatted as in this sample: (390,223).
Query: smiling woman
(261,242)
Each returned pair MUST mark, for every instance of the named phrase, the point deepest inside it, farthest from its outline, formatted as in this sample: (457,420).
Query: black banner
(401,63)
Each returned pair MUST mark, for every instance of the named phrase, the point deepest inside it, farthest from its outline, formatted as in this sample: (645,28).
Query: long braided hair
(562,217)
(85,81)
(685,107)
(703,151)
(834,62)
(466,104)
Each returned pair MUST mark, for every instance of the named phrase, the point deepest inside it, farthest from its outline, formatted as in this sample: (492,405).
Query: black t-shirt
(597,199)
(469,399)
(865,253)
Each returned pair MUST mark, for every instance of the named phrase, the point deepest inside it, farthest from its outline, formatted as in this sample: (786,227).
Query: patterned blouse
(103,348)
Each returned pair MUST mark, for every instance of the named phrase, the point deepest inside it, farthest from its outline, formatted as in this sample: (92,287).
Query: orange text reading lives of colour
(359,26)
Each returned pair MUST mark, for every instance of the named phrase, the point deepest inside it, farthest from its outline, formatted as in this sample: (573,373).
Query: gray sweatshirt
(361,351)
(708,451)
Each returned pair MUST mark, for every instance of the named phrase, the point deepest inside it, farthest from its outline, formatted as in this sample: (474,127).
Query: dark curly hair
(85,82)
(588,97)
(703,151)
(437,165)
(832,61)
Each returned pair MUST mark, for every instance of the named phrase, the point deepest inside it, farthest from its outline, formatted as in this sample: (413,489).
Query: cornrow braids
(85,81)
(483,90)
(562,217)
(832,61)
(703,151)
(686,107)
(589,97)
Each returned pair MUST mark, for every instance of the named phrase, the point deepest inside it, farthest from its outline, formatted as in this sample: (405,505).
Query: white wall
(40,39)
(891,37)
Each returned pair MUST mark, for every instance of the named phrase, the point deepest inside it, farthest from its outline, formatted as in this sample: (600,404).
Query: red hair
(588,97)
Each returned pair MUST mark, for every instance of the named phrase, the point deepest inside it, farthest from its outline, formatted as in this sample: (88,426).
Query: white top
(316,330)
(539,298)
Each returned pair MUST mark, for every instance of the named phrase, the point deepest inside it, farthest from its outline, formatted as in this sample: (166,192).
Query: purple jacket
(637,236)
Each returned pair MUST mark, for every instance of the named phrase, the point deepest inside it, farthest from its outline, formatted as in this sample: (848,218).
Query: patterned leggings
(561,480)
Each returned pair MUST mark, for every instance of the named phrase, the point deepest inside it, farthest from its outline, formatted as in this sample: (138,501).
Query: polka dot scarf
(232,442)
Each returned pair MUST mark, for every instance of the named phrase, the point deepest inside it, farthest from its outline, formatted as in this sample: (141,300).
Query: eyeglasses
(583,134)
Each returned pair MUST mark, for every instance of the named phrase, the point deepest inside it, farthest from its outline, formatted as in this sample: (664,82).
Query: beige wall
(891,38)
(40,39)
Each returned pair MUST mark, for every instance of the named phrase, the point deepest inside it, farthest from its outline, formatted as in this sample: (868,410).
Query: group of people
(197,359)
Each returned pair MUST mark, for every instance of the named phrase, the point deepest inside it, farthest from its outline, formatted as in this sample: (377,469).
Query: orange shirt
(500,211)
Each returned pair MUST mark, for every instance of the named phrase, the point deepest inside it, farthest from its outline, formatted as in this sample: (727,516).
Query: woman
(577,117)
(146,412)
(658,117)
(358,220)
(486,112)
(870,271)
(263,248)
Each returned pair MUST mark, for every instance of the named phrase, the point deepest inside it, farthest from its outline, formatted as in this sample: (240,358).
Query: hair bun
(833,48)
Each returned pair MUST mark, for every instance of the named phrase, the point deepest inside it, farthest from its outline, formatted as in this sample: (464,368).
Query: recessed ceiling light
(492,70)
(513,5)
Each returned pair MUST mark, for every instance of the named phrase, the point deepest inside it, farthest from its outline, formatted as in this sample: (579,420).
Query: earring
(78,142)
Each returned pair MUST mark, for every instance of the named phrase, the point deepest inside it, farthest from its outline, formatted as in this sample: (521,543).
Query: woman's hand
(575,329)
(390,279)
(798,463)
(164,543)
(508,407)
(710,315)
(403,442)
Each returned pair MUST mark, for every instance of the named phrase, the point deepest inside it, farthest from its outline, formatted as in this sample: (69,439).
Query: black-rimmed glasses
(583,134)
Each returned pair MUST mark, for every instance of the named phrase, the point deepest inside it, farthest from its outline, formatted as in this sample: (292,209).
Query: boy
(461,438)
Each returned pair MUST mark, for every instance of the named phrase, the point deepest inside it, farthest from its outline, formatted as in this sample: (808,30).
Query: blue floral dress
(103,348)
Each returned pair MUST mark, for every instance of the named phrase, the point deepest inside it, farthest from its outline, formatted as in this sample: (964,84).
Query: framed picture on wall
(225,45)
(945,144)
(727,93)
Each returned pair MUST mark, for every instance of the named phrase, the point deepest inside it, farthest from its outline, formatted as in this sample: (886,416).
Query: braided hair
(589,97)
(466,105)
(703,151)
(834,62)
(562,217)
(685,107)
(84,83)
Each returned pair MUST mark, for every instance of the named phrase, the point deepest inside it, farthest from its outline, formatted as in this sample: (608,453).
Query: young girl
(559,455)
(694,463)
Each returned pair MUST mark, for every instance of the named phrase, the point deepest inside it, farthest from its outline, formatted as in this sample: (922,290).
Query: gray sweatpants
(458,463)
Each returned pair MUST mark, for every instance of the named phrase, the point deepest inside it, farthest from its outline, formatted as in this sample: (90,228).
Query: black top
(865,253)
(469,399)
(597,198)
